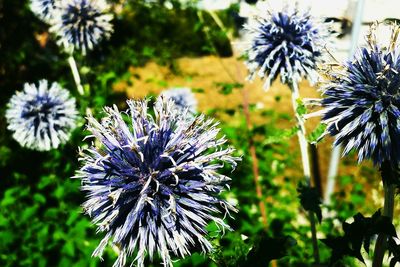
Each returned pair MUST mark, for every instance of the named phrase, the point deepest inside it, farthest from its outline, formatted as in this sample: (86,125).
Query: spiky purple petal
(288,43)
(152,182)
(81,24)
(362,101)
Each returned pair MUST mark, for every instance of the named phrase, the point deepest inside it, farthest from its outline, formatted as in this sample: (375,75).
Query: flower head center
(80,15)
(40,108)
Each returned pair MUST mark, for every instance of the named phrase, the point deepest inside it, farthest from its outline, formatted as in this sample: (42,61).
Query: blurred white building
(342,10)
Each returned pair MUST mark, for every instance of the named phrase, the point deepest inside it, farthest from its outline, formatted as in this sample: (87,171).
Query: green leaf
(29,213)
(198,90)
(316,135)
(72,217)
(227,88)
(280,136)
(68,249)
(301,108)
(310,199)
(358,234)
(266,249)
(39,198)
(148,51)
(59,192)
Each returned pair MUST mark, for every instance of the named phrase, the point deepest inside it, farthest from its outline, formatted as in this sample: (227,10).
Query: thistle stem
(314,237)
(388,207)
(75,74)
(332,173)
(301,133)
(305,159)
(220,24)
(315,170)
(254,158)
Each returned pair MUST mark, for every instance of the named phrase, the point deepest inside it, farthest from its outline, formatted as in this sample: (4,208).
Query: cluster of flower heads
(153,184)
(183,99)
(78,24)
(289,43)
(362,100)
(41,117)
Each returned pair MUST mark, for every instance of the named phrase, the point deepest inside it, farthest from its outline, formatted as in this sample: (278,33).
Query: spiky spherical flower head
(183,99)
(289,43)
(41,117)
(44,9)
(362,101)
(152,182)
(81,24)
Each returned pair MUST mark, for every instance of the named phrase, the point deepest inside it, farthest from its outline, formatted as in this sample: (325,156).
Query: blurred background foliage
(41,221)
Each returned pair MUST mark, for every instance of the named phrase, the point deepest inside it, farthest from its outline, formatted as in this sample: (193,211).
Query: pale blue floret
(41,117)
(289,43)
(183,99)
(362,102)
(81,24)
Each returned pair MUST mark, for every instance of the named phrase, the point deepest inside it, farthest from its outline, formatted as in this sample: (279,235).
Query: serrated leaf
(280,136)
(317,133)
(301,108)
(267,249)
(310,199)
(358,234)
(340,247)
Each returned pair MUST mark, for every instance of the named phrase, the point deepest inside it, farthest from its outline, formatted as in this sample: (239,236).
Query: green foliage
(394,252)
(310,199)
(358,234)
(41,222)
(316,135)
(227,88)
(301,108)
(258,252)
(280,135)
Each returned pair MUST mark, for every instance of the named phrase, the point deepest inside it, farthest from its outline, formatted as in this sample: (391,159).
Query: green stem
(301,133)
(305,159)
(314,237)
(389,188)
(75,74)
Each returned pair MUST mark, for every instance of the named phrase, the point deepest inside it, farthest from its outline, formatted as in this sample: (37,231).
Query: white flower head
(81,24)
(41,117)
(289,43)
(183,99)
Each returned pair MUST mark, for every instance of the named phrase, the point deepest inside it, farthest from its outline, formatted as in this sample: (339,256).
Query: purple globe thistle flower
(81,24)
(152,184)
(41,117)
(286,42)
(183,99)
(44,9)
(362,101)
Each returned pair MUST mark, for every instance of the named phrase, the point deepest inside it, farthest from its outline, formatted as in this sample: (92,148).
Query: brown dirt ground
(205,72)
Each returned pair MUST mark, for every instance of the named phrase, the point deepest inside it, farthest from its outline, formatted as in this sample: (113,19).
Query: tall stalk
(305,159)
(254,158)
(315,169)
(75,74)
(389,188)
(246,111)
(301,133)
